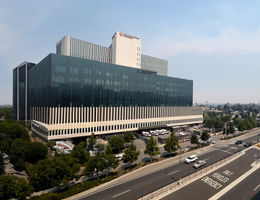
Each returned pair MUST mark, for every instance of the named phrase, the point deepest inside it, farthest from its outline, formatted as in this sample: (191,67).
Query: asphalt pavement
(209,185)
(139,187)
(247,189)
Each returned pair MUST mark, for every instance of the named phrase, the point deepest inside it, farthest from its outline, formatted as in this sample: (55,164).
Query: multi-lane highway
(141,186)
(246,189)
(209,185)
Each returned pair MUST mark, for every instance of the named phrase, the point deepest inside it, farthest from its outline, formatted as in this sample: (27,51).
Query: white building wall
(126,50)
(132,118)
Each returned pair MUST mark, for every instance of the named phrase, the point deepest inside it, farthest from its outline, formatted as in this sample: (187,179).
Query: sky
(214,43)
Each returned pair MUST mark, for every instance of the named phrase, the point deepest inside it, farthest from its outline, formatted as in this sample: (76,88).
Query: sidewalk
(150,168)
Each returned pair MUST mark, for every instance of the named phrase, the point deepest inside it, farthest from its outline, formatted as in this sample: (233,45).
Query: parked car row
(155,132)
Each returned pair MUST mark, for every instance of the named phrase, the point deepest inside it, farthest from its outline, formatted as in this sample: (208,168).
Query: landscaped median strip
(162,192)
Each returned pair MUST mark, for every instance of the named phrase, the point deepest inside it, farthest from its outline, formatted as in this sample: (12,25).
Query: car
(199,163)
(146,134)
(200,141)
(238,142)
(211,142)
(191,159)
(154,133)
(247,144)
(119,156)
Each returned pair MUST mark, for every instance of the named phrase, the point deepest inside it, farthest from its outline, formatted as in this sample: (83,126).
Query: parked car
(191,159)
(199,163)
(146,134)
(119,156)
(211,142)
(238,142)
(200,141)
(247,144)
(154,133)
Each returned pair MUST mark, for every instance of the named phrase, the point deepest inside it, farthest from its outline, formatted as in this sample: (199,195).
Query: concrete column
(110,112)
(90,114)
(70,114)
(97,113)
(105,113)
(76,114)
(93,114)
(67,114)
(87,114)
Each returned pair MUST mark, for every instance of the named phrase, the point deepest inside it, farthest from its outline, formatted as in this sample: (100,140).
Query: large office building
(86,88)
(124,50)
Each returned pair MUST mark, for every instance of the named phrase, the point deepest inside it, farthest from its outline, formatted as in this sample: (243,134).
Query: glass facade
(20,90)
(64,81)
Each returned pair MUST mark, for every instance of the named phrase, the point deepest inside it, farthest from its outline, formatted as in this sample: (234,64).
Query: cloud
(227,42)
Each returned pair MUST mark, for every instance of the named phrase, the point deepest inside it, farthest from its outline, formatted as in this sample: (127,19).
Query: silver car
(199,163)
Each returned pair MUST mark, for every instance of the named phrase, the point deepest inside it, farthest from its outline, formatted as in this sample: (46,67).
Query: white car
(119,156)
(191,159)
(154,133)
(146,134)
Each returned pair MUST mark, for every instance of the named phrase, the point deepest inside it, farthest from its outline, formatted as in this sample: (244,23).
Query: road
(247,189)
(139,187)
(209,185)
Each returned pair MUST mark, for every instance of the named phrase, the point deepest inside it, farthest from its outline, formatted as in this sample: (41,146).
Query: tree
(100,147)
(151,147)
(230,128)
(7,113)
(13,130)
(18,153)
(128,137)
(42,175)
(117,143)
(80,154)
(50,173)
(36,151)
(5,145)
(91,142)
(205,135)
(108,149)
(23,151)
(95,165)
(131,154)
(193,139)
(14,187)
(111,162)
(172,143)
(2,165)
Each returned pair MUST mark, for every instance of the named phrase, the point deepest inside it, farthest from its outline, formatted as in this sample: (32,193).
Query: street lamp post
(180,167)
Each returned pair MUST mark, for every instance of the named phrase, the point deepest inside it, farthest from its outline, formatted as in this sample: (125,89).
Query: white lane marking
(225,151)
(257,187)
(235,148)
(121,193)
(173,172)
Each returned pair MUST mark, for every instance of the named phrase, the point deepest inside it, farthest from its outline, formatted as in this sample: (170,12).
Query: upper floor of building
(124,50)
